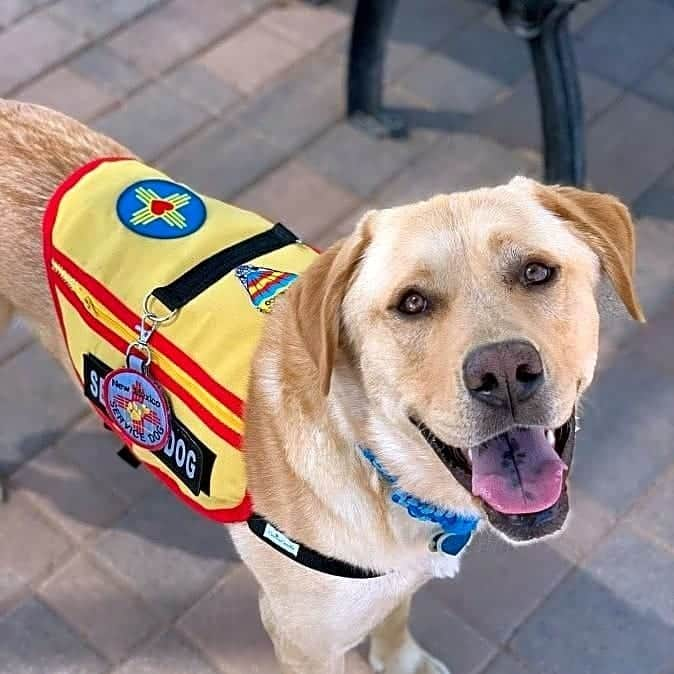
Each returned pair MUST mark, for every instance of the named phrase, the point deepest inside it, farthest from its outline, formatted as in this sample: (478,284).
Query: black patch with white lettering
(189,459)
(95,371)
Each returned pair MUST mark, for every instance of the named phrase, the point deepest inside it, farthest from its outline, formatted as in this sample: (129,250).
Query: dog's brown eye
(537,273)
(413,302)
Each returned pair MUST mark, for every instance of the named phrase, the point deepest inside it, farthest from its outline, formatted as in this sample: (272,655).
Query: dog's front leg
(393,650)
(291,657)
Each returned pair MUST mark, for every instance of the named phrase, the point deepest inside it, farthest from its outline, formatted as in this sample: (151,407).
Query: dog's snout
(503,373)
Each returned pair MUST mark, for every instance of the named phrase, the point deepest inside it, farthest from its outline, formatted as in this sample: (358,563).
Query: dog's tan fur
(338,367)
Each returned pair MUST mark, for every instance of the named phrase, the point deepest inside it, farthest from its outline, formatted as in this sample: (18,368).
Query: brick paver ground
(244,99)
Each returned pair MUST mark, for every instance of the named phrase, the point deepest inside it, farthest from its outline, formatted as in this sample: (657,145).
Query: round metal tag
(138,408)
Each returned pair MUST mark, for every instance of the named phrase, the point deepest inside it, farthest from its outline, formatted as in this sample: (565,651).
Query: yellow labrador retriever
(433,359)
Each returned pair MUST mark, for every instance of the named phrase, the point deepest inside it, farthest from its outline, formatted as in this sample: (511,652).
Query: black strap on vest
(304,555)
(210,270)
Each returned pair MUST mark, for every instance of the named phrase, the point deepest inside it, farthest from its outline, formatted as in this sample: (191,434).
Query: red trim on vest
(239,513)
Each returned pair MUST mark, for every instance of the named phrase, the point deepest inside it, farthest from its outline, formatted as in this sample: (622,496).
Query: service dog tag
(134,402)
(138,408)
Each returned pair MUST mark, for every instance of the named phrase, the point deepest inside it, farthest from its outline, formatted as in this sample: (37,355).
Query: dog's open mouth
(519,475)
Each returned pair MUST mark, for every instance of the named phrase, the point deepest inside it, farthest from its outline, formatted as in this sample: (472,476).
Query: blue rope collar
(455,530)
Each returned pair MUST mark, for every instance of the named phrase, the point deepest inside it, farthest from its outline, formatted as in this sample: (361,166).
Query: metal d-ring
(143,348)
(150,316)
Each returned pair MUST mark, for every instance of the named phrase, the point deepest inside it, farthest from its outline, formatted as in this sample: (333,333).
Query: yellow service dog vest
(116,233)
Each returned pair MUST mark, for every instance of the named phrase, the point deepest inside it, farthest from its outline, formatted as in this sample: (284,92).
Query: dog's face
(471,322)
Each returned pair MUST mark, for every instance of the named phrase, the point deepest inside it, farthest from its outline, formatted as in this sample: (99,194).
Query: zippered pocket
(195,280)
(93,306)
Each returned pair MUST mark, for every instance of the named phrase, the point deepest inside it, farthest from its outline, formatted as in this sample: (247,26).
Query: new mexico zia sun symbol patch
(160,209)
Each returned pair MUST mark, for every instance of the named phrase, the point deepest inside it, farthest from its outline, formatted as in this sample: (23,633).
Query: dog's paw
(411,659)
(431,665)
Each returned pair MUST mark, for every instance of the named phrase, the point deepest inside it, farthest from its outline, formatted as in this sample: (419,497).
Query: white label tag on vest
(276,537)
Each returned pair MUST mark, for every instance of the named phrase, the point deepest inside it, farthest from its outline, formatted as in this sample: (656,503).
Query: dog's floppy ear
(318,298)
(605,224)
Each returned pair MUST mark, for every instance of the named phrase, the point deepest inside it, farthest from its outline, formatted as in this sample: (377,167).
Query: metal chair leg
(372,24)
(544,23)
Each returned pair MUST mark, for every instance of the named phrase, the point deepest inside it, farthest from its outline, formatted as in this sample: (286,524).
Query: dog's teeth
(550,436)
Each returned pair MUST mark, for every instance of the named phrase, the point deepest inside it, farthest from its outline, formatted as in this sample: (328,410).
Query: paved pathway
(243,99)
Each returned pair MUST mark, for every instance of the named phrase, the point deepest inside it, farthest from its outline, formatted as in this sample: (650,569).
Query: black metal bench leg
(372,24)
(544,23)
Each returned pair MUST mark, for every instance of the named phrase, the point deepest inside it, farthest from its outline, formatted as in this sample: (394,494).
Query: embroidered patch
(263,285)
(138,408)
(160,209)
(183,456)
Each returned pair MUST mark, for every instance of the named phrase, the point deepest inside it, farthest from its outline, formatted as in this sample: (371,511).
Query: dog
(423,371)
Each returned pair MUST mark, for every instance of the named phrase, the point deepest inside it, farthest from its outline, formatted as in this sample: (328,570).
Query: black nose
(504,373)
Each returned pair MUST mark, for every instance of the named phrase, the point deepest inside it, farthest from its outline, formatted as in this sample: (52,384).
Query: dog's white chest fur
(444,566)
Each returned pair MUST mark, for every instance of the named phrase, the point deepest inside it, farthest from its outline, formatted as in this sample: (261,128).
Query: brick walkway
(243,99)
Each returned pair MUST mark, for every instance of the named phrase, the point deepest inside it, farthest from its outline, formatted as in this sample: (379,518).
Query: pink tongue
(518,472)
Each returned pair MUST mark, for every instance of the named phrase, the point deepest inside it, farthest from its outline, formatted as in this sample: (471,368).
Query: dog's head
(471,324)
